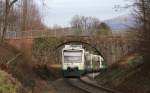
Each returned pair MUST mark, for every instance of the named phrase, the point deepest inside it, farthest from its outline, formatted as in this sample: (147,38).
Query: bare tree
(30,15)
(84,24)
(142,13)
(8,5)
(76,24)
(1,14)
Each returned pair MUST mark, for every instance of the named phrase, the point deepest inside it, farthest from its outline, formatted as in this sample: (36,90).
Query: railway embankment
(129,75)
(31,77)
(8,83)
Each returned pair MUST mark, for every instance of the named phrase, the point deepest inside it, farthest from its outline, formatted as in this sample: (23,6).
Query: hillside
(139,82)
(24,74)
(121,23)
(6,53)
(129,76)
(8,81)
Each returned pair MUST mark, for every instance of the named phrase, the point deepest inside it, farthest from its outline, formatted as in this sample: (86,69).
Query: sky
(60,12)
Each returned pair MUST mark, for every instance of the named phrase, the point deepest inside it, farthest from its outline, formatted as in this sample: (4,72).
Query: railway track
(88,87)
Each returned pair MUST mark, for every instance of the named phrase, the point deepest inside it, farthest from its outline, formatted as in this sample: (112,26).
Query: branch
(13,59)
(11,3)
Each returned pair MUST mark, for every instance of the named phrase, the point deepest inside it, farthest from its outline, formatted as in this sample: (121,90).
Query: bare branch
(11,3)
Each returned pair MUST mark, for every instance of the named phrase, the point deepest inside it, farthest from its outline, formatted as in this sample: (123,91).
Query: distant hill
(121,23)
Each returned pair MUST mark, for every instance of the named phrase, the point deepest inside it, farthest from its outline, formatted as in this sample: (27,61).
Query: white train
(75,61)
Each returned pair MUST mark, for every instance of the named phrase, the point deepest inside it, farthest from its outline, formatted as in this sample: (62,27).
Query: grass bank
(126,76)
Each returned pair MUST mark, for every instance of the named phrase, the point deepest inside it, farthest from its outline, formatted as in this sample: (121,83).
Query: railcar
(93,62)
(73,60)
(76,61)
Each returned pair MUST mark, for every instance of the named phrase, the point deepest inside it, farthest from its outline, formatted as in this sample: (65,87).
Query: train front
(72,61)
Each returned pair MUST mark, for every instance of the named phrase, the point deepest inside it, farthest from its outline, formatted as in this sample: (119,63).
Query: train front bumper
(72,73)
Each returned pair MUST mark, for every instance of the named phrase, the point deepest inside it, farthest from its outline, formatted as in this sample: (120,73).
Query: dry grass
(122,74)
(138,82)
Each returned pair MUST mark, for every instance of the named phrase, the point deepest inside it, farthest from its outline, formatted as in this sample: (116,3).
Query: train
(76,61)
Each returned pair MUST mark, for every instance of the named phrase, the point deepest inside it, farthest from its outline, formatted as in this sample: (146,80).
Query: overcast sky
(61,11)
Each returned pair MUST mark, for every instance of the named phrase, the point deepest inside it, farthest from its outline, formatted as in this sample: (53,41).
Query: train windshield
(72,56)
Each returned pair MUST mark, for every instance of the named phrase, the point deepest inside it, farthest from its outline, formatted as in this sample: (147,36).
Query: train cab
(73,60)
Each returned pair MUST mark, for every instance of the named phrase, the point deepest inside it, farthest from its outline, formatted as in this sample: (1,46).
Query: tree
(8,6)
(142,13)
(103,29)
(1,14)
(31,18)
(22,16)
(83,24)
(76,24)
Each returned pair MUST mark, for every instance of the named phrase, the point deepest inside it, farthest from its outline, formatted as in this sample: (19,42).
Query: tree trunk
(7,9)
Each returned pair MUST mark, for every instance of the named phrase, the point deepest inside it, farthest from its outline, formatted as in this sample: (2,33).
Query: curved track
(89,87)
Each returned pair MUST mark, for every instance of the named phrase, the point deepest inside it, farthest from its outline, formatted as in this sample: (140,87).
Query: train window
(72,56)
(72,53)
(70,59)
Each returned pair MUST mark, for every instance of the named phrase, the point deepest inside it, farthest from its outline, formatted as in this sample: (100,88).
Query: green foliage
(77,31)
(31,83)
(103,32)
(104,26)
(44,43)
(135,61)
(111,74)
(8,84)
(43,72)
(43,49)
(103,29)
